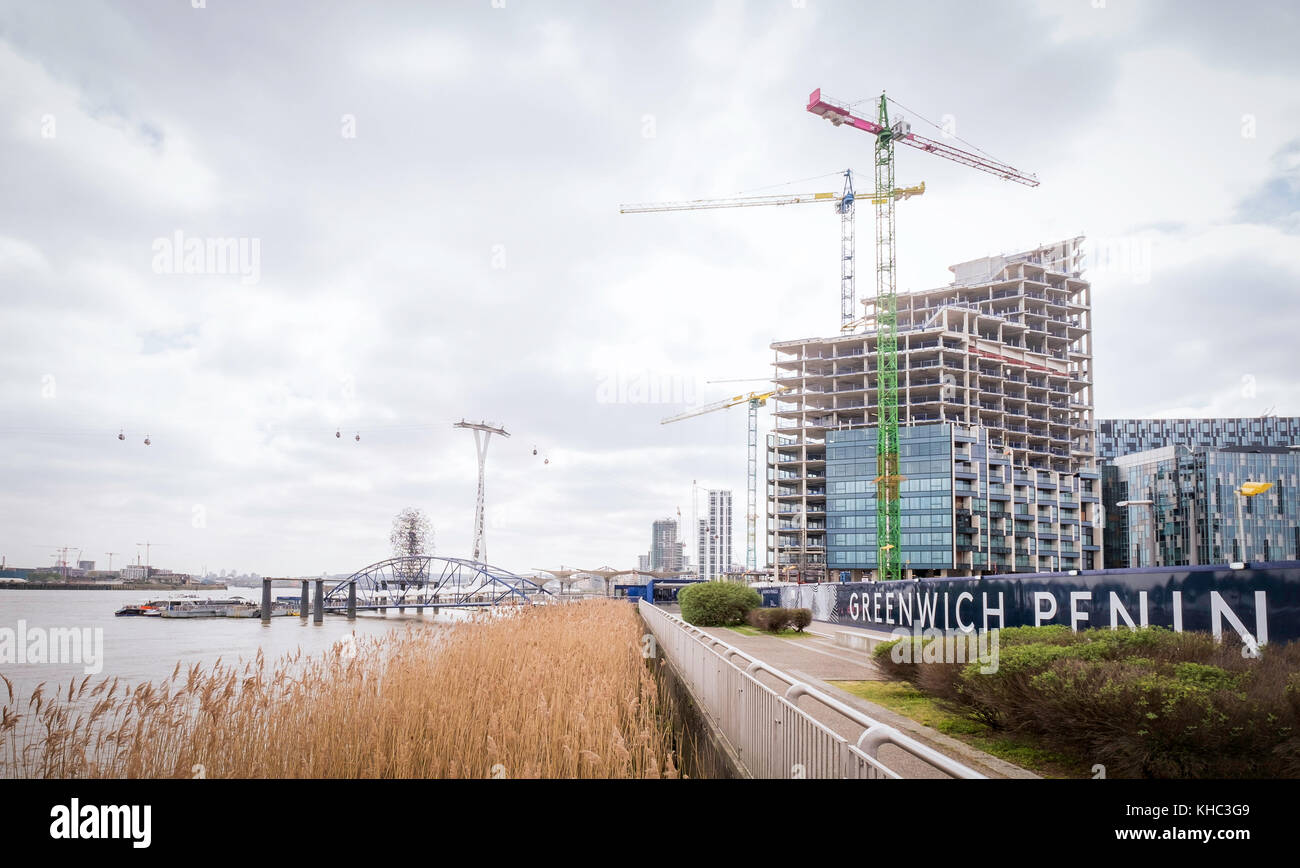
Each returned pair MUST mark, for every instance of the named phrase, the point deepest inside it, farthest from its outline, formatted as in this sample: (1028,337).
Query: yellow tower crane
(843,203)
(754,400)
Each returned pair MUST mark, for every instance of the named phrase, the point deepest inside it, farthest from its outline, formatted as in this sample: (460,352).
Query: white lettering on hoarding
(1076,616)
(1041,614)
(1117,611)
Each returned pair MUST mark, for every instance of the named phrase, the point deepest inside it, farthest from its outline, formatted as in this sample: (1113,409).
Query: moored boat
(152,608)
(201,608)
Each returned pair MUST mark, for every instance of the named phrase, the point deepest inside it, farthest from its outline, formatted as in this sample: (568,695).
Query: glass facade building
(1196,516)
(966,508)
(925,459)
(1129,530)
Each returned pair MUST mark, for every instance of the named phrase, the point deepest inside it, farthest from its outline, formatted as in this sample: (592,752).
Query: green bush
(762,618)
(717,604)
(1144,703)
(774,620)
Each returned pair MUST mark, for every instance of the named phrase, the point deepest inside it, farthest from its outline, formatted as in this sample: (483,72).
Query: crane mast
(888,503)
(848,292)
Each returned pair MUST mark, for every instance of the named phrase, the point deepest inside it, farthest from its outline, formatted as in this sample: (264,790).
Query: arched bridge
(428,581)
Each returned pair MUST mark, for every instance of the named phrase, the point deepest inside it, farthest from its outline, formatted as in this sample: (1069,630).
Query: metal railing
(771,735)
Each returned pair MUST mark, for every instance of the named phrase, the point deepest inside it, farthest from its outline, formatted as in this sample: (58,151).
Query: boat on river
(151,609)
(205,608)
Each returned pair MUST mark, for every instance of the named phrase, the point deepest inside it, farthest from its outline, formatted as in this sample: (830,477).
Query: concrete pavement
(819,661)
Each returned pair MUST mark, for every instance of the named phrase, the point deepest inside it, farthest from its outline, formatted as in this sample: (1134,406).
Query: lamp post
(1151,545)
(1247,489)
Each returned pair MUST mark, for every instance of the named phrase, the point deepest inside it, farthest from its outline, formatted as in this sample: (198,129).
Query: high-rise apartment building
(713,536)
(1189,470)
(1002,355)
(1116,437)
(665,548)
(1183,506)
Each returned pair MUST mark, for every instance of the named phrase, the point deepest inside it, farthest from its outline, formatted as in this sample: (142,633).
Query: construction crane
(843,202)
(61,557)
(148,563)
(888,506)
(755,400)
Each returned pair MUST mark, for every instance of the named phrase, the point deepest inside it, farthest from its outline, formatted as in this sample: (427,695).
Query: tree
(412,534)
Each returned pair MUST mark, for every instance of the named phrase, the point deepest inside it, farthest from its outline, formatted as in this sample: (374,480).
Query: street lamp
(1247,489)
(1151,545)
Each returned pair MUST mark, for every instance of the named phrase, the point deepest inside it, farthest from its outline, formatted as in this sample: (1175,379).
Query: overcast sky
(432,191)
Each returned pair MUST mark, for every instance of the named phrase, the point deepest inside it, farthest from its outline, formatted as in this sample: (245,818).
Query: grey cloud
(481,135)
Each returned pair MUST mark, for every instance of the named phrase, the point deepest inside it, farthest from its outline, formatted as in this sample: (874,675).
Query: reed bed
(548,691)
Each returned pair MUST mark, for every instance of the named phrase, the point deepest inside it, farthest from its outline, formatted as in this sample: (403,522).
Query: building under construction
(665,548)
(997,436)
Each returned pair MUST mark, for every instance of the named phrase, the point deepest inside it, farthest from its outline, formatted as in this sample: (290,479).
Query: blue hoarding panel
(1262,601)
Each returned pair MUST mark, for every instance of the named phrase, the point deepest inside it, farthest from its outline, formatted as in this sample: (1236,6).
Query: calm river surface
(142,649)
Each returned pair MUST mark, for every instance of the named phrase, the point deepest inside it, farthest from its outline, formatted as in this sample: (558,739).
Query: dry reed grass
(550,691)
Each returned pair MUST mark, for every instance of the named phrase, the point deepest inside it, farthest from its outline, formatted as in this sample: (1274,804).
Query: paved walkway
(819,662)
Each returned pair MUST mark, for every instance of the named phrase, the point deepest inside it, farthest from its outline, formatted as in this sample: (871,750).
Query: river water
(142,649)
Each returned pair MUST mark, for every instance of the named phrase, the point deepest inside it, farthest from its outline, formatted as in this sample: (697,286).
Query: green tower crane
(888,479)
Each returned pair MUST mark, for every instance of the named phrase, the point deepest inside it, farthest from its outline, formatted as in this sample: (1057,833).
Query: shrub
(800,618)
(777,620)
(717,604)
(772,620)
(1145,703)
